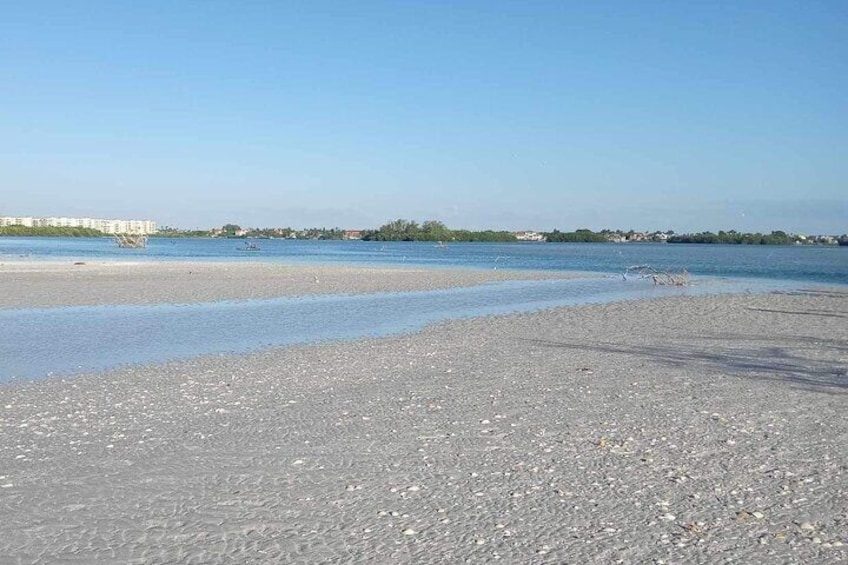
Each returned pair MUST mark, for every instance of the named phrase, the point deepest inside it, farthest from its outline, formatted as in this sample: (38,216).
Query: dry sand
(681,430)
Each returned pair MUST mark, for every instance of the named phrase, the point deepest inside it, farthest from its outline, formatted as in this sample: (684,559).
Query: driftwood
(131,240)
(659,277)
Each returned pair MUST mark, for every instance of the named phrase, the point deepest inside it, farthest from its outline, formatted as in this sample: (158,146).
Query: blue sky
(516,115)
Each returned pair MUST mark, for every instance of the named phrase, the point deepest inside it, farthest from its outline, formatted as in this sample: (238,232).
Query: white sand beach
(675,430)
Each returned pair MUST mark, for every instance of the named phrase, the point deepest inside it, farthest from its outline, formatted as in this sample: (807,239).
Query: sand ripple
(677,430)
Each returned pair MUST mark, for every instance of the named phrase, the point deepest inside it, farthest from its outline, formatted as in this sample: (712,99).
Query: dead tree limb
(657,276)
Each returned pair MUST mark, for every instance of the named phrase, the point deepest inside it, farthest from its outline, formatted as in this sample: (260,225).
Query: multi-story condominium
(141,227)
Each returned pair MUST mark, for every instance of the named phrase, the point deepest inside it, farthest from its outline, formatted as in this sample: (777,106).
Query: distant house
(353,234)
(529,236)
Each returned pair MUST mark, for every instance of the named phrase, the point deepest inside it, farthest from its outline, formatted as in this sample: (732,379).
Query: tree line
(736,238)
(578,236)
(49,231)
(236,231)
(431,230)
(434,230)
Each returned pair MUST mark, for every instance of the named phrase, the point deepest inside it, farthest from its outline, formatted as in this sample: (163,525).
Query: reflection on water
(43,341)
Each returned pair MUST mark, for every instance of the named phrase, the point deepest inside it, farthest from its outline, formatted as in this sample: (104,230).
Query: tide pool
(43,342)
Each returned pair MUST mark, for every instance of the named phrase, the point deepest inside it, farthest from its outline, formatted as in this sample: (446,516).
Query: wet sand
(46,284)
(676,430)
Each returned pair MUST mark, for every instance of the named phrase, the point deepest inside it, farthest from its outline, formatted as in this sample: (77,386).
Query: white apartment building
(145,227)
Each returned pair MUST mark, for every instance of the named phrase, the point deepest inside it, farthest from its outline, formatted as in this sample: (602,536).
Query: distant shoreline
(411,232)
(836,243)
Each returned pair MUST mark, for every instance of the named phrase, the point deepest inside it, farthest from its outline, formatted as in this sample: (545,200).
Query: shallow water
(825,264)
(40,342)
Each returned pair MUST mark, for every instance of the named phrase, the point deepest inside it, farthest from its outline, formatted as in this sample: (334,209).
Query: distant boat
(843,241)
(441,245)
(249,247)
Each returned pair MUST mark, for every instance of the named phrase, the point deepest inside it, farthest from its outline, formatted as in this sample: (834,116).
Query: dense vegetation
(431,230)
(233,230)
(485,235)
(49,232)
(725,237)
(321,233)
(168,231)
(579,236)
(734,237)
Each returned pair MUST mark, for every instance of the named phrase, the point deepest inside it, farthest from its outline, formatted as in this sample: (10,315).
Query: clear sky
(517,115)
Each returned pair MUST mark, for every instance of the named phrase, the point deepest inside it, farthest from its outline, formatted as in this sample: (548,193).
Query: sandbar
(64,283)
(672,430)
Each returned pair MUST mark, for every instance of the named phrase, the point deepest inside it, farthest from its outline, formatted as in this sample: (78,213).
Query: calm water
(38,342)
(825,264)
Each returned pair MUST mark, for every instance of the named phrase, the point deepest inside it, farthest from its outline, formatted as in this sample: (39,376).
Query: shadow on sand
(798,361)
